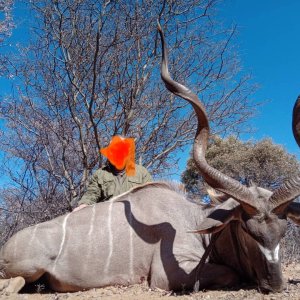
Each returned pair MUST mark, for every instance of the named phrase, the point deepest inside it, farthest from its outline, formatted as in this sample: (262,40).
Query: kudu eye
(245,216)
(281,216)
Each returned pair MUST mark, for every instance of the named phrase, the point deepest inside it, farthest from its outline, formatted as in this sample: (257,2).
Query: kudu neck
(230,250)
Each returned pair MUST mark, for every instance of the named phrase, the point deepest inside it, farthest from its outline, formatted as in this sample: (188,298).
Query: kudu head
(261,215)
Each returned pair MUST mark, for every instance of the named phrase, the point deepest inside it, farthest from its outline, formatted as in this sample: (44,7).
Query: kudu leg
(27,269)
(16,263)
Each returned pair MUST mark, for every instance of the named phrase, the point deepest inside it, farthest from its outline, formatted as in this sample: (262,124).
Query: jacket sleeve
(146,177)
(93,192)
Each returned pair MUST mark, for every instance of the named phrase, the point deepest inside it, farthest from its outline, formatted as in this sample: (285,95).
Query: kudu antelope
(143,234)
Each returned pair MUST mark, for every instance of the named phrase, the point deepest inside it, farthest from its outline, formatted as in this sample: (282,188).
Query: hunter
(118,176)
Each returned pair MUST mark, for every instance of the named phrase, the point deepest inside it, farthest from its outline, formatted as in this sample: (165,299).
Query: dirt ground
(142,291)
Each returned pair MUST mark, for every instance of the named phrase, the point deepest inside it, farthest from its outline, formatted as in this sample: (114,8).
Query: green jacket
(105,185)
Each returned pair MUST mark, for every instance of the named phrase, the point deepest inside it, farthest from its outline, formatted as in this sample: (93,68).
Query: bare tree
(91,72)
(6,20)
(6,26)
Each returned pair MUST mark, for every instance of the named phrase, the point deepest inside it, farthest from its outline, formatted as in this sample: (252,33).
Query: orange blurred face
(118,151)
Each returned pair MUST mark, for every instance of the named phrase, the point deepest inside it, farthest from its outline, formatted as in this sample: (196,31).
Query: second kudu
(143,234)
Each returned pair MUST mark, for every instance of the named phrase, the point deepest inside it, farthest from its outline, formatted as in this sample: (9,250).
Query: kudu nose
(273,287)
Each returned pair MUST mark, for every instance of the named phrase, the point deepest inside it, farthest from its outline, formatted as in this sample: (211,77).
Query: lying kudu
(143,234)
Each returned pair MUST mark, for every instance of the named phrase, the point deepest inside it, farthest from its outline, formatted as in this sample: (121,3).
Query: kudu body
(143,234)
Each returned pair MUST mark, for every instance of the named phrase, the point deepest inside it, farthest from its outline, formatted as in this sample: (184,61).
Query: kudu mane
(172,186)
(144,187)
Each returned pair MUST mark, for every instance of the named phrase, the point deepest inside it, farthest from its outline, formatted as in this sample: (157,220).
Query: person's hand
(81,206)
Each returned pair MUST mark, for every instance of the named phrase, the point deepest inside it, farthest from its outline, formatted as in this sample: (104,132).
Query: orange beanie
(121,154)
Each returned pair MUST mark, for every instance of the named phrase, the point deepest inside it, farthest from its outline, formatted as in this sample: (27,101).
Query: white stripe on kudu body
(32,238)
(110,237)
(130,246)
(15,247)
(92,224)
(64,223)
(90,239)
(271,255)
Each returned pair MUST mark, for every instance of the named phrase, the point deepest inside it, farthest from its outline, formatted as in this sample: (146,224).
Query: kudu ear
(293,212)
(220,216)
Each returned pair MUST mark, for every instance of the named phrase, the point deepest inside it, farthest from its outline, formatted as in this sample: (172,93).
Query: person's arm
(146,177)
(92,194)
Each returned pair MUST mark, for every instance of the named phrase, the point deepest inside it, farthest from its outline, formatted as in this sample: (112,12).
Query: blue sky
(269,41)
